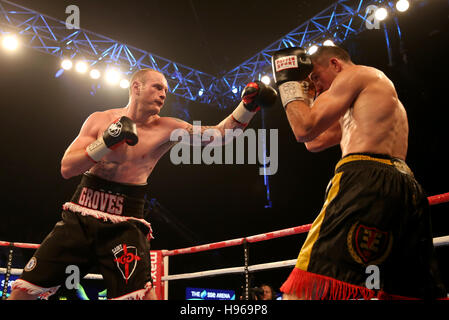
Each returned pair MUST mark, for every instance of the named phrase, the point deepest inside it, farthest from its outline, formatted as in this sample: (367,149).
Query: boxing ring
(160,258)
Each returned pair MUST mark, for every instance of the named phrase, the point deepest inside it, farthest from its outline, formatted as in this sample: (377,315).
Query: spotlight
(124,84)
(66,64)
(95,74)
(234,90)
(266,79)
(402,5)
(329,43)
(112,76)
(10,43)
(81,67)
(312,50)
(200,92)
(381,14)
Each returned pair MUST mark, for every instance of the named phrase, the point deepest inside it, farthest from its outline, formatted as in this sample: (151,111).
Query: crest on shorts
(369,245)
(31,264)
(126,259)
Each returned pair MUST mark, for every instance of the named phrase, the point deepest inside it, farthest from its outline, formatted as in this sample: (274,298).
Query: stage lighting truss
(338,22)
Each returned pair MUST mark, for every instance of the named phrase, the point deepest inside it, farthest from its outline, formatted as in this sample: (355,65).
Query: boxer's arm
(204,135)
(255,95)
(75,161)
(327,139)
(220,134)
(308,123)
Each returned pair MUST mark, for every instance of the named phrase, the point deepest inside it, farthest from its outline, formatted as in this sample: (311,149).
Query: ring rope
(18,272)
(439,198)
(433,200)
(438,242)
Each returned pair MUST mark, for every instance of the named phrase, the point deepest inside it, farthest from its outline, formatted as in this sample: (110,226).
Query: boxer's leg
(66,245)
(124,260)
(18,294)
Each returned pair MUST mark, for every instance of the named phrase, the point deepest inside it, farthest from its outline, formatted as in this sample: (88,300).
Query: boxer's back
(376,122)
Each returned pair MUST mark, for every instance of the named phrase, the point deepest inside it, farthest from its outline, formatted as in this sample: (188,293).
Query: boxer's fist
(291,64)
(291,67)
(122,130)
(258,95)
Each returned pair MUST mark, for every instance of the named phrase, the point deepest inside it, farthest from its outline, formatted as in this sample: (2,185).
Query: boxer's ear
(135,87)
(335,64)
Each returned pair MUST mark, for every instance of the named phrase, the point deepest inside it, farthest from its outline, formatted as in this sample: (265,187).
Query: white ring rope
(437,242)
(18,272)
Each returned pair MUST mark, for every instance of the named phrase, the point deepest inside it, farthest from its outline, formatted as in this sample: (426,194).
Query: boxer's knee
(18,294)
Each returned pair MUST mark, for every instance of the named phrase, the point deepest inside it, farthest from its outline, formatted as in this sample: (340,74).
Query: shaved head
(140,76)
(324,53)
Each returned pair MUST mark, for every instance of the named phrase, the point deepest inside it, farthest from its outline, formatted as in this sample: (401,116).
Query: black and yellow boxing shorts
(372,238)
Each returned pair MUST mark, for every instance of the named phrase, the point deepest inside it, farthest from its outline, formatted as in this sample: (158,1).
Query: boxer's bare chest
(133,164)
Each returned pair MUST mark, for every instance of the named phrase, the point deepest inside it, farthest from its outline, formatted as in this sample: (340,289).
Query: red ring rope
(433,200)
(439,198)
(19,245)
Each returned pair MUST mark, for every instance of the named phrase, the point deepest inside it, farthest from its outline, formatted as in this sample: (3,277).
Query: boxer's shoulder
(172,123)
(114,113)
(361,72)
(107,114)
(105,117)
(356,77)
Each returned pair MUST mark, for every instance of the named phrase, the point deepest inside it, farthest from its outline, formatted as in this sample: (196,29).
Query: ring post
(8,271)
(246,269)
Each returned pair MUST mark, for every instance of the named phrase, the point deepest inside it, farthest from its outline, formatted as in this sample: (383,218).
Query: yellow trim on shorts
(358,157)
(306,250)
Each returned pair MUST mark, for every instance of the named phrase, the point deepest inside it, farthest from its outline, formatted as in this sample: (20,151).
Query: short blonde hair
(139,75)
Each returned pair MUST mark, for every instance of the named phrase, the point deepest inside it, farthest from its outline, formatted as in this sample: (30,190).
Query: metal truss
(338,22)
(51,36)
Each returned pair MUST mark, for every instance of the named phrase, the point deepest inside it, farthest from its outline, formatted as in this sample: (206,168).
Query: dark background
(202,204)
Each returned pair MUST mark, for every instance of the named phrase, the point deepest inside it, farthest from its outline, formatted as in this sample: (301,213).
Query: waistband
(110,197)
(399,164)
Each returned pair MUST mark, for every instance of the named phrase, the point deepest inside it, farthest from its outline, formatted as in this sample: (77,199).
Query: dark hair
(327,52)
(273,293)
(256,293)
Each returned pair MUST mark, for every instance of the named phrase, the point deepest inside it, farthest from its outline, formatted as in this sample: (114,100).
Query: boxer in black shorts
(375,217)
(375,214)
(103,224)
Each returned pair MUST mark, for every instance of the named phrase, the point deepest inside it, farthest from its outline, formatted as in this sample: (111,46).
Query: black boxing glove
(120,131)
(255,95)
(258,95)
(291,67)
